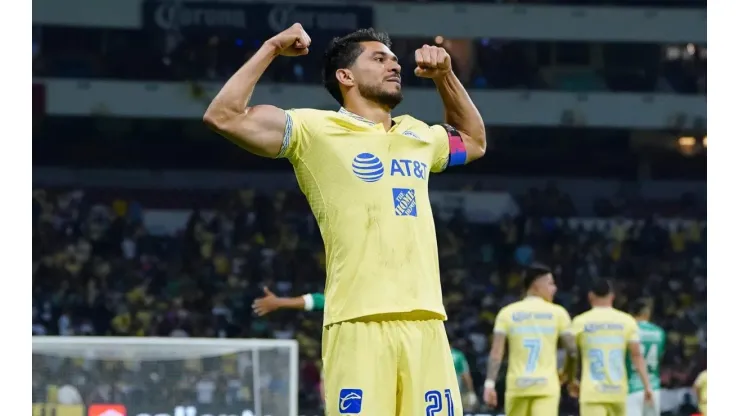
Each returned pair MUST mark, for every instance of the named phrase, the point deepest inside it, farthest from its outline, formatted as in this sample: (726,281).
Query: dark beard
(377,94)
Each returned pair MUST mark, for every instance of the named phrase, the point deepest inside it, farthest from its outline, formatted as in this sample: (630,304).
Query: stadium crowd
(99,270)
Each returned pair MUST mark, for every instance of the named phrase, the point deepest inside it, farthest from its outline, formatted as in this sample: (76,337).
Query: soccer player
(270,302)
(700,387)
(531,328)
(604,336)
(365,175)
(462,370)
(652,346)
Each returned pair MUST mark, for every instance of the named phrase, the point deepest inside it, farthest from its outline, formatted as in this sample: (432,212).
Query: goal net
(112,376)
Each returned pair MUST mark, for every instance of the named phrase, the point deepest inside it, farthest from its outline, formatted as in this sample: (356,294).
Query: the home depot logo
(107,410)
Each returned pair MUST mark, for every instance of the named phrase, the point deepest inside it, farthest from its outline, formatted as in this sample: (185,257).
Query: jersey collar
(359,118)
(362,119)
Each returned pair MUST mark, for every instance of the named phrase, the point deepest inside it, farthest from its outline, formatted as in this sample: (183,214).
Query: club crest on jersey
(368,167)
(409,133)
(350,401)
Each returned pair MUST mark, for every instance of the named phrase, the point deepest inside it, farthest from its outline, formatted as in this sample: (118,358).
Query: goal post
(166,376)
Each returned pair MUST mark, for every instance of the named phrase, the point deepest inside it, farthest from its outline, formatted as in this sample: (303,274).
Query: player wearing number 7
(652,346)
(532,328)
(604,336)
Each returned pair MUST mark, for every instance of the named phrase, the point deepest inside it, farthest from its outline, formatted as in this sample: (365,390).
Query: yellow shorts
(389,367)
(603,409)
(532,406)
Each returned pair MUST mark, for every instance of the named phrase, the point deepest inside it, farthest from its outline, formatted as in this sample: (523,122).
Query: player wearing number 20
(532,328)
(604,335)
(652,346)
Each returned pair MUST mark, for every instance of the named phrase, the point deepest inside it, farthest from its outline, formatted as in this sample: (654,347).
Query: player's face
(378,74)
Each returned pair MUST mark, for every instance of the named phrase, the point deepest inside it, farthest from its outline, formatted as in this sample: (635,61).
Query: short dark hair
(534,272)
(601,287)
(639,306)
(343,52)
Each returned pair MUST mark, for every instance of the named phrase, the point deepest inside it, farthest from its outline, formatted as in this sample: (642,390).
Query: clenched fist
(293,41)
(432,62)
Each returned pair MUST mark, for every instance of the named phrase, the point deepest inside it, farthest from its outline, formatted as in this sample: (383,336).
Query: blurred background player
(464,380)
(652,347)
(604,335)
(365,176)
(270,302)
(700,387)
(531,328)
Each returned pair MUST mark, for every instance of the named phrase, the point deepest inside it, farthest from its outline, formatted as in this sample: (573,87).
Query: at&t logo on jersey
(404,202)
(350,401)
(367,167)
(408,167)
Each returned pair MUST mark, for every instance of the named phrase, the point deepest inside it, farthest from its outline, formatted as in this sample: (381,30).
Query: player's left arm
(568,341)
(459,111)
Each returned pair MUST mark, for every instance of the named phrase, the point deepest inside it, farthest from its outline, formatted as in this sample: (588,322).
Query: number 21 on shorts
(433,399)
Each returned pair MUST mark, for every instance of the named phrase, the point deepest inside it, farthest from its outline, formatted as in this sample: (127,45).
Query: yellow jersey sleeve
(632,330)
(449,149)
(563,323)
(297,134)
(441,148)
(576,327)
(502,322)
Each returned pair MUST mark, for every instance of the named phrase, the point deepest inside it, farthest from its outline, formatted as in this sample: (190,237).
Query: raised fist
(293,41)
(432,62)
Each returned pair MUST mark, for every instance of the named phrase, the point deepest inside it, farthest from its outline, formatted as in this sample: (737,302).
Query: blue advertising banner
(259,20)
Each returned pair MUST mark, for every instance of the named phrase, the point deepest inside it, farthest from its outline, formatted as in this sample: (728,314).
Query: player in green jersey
(652,346)
(270,302)
(463,377)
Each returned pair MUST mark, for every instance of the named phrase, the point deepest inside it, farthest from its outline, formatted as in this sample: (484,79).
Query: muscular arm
(259,129)
(496,356)
(461,113)
(639,364)
(571,356)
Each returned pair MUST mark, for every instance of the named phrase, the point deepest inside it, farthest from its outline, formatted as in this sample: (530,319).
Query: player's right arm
(259,129)
(270,302)
(496,357)
(633,340)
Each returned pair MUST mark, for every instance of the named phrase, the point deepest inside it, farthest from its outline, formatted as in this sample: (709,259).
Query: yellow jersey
(532,327)
(701,386)
(367,188)
(603,335)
